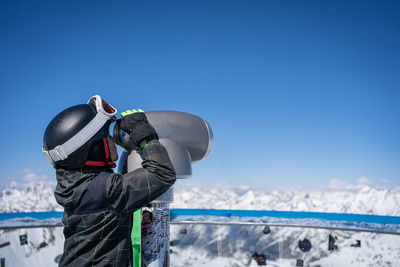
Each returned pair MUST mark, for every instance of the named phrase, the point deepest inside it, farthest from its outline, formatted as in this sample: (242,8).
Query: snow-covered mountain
(361,199)
(206,245)
(31,197)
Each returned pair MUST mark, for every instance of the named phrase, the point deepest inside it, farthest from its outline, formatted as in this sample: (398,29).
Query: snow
(34,197)
(44,244)
(231,245)
(210,245)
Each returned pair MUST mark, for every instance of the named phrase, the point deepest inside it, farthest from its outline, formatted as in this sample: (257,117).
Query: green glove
(130,111)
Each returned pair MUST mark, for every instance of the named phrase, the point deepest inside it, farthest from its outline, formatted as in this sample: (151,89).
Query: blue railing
(35,215)
(346,217)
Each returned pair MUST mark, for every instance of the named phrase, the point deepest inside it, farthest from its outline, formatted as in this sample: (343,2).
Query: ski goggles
(105,113)
(102,106)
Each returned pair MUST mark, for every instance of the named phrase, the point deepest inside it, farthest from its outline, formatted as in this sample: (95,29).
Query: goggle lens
(102,106)
(109,109)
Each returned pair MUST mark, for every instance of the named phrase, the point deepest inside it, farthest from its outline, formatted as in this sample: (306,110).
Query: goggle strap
(106,148)
(61,152)
(47,156)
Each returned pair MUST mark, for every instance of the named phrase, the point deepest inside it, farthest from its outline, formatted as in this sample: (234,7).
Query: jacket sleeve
(136,189)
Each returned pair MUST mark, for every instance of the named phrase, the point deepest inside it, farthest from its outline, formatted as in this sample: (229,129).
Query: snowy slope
(236,243)
(204,245)
(44,244)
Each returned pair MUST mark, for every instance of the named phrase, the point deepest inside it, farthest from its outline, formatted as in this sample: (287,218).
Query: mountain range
(209,245)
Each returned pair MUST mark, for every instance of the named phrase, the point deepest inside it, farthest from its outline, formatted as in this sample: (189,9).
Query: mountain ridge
(361,199)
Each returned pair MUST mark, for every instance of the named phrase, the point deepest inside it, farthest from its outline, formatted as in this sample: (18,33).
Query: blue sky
(299,93)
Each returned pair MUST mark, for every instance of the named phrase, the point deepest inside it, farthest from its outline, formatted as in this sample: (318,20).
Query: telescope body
(187,138)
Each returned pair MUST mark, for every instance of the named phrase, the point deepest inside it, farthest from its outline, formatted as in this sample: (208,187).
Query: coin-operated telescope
(187,138)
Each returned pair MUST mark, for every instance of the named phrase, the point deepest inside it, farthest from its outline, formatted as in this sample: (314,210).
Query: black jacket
(99,205)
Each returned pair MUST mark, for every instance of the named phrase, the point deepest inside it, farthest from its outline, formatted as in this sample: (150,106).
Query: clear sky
(298,93)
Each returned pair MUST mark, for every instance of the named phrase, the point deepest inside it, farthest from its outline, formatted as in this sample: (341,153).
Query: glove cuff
(143,131)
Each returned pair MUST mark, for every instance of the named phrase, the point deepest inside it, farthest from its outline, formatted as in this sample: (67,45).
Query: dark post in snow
(187,138)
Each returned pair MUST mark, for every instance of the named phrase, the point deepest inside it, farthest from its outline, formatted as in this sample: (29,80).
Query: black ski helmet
(68,124)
